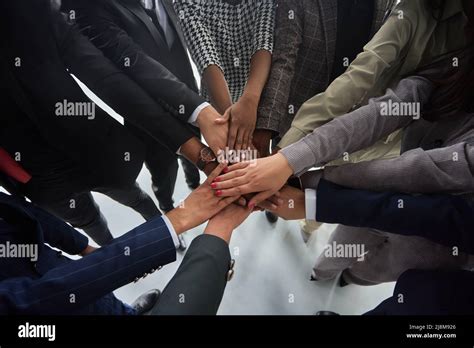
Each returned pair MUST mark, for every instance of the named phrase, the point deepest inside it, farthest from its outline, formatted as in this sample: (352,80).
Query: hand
(227,220)
(265,176)
(293,207)
(88,250)
(243,118)
(200,206)
(215,133)
(261,140)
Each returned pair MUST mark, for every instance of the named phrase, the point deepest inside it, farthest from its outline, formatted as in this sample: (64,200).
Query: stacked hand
(241,119)
(265,176)
(214,130)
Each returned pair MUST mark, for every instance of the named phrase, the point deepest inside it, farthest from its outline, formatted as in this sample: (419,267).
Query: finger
(223,119)
(239,141)
(249,140)
(227,201)
(267,205)
(215,173)
(237,166)
(259,198)
(231,175)
(235,191)
(228,184)
(275,200)
(232,136)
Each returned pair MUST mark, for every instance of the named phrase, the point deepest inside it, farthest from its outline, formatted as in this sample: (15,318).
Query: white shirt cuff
(310,204)
(172,231)
(196,113)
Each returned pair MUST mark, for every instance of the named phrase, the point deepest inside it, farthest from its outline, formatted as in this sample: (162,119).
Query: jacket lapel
(168,4)
(328,16)
(136,8)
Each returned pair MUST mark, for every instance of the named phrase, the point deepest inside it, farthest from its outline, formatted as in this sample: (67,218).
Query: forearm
(358,129)
(399,213)
(217,88)
(361,80)
(445,170)
(259,71)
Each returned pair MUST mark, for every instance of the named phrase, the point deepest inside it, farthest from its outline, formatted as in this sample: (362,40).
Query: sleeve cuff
(300,157)
(195,114)
(310,204)
(170,227)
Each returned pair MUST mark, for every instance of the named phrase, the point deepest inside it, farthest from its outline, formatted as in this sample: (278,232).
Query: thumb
(225,118)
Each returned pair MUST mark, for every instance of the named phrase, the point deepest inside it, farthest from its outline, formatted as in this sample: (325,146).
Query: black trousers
(81,210)
(163,167)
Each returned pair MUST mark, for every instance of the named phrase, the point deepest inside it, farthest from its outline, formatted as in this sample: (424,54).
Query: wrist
(284,165)
(192,149)
(253,98)
(204,115)
(179,219)
(219,231)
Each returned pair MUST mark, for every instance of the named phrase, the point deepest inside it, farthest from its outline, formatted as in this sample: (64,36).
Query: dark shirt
(354,25)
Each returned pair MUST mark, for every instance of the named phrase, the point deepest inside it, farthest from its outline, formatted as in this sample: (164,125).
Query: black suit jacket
(123,30)
(43,286)
(49,49)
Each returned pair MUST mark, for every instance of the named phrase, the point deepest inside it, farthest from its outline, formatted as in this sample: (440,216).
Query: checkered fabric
(227,34)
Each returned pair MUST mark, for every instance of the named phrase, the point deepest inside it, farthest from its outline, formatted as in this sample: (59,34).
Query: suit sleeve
(288,38)
(100,25)
(444,170)
(198,285)
(358,82)
(117,90)
(129,257)
(441,218)
(58,234)
(358,129)
(198,35)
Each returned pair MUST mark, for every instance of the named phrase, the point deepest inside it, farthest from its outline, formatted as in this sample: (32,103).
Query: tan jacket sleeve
(357,83)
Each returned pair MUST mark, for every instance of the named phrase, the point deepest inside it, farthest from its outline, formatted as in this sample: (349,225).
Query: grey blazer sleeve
(198,285)
(445,170)
(358,129)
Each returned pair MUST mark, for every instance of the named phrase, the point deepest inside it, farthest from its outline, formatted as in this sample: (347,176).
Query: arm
(358,82)
(444,219)
(243,115)
(125,259)
(288,38)
(116,89)
(444,170)
(206,56)
(348,133)
(358,129)
(207,266)
(100,25)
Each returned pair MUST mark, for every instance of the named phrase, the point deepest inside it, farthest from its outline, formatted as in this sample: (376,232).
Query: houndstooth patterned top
(227,34)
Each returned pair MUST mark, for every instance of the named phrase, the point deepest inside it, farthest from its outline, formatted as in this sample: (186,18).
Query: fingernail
(217,179)
(218,193)
(274,207)
(281,201)
(251,205)
(214,185)
(225,170)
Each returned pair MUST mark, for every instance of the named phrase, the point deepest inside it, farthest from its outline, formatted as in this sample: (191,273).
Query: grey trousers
(387,257)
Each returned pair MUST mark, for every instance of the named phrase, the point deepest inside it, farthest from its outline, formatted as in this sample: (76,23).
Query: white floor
(272,270)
